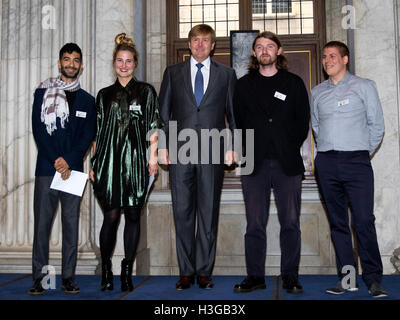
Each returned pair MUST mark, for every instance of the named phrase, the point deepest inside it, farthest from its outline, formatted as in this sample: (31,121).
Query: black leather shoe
(184,282)
(249,284)
(126,275)
(69,286)
(205,282)
(377,291)
(291,284)
(37,288)
(107,280)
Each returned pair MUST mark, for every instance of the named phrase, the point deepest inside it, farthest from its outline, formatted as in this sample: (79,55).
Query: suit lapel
(212,82)
(187,79)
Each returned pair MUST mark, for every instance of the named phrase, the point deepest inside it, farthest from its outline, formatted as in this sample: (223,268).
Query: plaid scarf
(55,102)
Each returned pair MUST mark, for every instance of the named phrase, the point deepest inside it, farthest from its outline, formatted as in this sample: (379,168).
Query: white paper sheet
(151,181)
(75,184)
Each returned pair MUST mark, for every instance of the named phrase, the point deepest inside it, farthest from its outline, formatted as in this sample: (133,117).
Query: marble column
(376,53)
(334,17)
(32,33)
(156,35)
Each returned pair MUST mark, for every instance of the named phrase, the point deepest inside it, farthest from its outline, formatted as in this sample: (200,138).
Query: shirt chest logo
(343,103)
(280,96)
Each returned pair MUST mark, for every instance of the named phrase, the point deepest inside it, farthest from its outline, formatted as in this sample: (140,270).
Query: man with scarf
(63,125)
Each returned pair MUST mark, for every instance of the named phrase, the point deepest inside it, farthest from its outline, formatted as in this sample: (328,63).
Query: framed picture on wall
(241,42)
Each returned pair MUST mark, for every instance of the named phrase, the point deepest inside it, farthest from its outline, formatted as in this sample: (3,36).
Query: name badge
(135,107)
(343,102)
(81,114)
(280,96)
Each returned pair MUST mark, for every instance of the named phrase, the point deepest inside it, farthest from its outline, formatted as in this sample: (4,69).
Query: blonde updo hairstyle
(123,43)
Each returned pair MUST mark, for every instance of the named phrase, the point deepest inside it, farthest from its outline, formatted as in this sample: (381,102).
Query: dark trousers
(257,193)
(345,177)
(45,205)
(196,191)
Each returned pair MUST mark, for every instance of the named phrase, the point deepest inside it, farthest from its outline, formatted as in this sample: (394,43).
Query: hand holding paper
(75,184)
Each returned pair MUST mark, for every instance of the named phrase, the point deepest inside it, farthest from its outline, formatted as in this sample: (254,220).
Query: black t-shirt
(71,99)
(265,91)
(278,111)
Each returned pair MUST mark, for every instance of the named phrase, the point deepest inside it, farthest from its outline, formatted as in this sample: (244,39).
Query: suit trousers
(257,193)
(347,177)
(196,193)
(45,205)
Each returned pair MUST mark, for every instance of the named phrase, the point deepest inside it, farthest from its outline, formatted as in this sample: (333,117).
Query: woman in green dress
(125,155)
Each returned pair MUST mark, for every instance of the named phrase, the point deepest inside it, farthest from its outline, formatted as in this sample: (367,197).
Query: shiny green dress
(124,117)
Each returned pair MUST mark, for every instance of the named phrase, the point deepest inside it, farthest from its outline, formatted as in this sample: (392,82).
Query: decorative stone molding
(395,260)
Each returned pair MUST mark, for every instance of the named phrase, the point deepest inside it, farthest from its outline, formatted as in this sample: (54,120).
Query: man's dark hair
(343,49)
(69,48)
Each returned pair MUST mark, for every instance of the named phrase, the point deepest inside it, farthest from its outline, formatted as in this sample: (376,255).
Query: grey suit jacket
(177,101)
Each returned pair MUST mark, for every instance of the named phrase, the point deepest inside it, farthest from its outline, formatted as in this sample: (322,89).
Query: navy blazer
(71,142)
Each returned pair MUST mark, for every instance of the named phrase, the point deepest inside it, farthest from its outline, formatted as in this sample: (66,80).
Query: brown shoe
(205,282)
(184,282)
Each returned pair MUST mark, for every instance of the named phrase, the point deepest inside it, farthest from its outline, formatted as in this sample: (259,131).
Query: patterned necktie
(199,84)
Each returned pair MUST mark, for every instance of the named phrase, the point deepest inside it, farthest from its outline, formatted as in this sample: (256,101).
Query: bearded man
(63,125)
(274,103)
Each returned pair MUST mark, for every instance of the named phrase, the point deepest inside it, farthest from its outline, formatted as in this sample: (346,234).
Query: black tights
(108,233)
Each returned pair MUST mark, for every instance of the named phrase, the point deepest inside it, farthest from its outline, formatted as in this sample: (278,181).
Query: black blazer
(286,121)
(71,142)
(178,103)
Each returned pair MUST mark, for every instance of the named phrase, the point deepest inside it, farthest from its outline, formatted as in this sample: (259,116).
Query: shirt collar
(344,80)
(129,84)
(206,63)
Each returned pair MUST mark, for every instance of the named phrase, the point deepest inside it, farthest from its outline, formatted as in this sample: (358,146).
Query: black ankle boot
(126,275)
(107,281)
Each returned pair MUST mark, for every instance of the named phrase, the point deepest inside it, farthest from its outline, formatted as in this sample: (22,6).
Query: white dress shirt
(204,70)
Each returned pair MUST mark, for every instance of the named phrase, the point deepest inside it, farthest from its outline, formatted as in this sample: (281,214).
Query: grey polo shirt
(347,116)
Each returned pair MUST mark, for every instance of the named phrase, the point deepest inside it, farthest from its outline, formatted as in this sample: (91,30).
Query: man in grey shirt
(348,126)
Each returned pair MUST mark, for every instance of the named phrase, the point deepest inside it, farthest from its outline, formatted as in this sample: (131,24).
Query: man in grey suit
(195,96)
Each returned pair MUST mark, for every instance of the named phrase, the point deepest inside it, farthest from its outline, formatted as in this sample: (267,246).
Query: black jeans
(257,192)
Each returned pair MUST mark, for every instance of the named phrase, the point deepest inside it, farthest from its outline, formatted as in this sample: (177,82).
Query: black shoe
(69,286)
(205,282)
(249,284)
(107,280)
(37,288)
(126,275)
(184,282)
(338,289)
(377,291)
(291,284)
